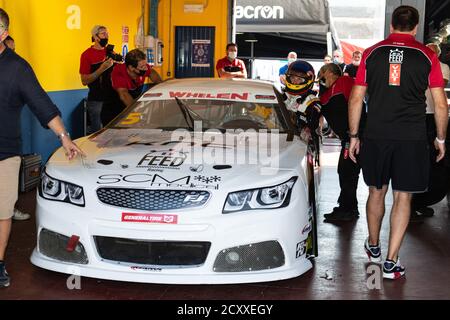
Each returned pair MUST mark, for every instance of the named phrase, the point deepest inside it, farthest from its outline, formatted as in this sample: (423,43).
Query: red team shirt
(397,71)
(121,79)
(90,61)
(225,64)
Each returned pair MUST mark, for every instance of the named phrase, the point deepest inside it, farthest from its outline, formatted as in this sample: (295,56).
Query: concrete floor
(425,253)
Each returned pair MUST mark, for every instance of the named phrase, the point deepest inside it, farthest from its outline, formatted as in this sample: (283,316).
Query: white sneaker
(20,216)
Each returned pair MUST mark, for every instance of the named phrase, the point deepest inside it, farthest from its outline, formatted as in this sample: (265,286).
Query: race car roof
(213,89)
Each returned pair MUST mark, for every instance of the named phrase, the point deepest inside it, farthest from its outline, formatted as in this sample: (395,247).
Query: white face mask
(290,60)
(232,55)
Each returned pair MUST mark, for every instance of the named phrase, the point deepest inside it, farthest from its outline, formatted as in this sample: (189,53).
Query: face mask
(290,60)
(356,63)
(323,83)
(141,72)
(103,42)
(336,60)
(232,55)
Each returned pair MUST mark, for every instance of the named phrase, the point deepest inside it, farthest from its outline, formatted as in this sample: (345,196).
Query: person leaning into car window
(127,81)
(230,66)
(334,101)
(19,86)
(95,72)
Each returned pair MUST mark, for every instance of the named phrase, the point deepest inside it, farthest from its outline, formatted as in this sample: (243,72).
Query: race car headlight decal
(57,190)
(265,198)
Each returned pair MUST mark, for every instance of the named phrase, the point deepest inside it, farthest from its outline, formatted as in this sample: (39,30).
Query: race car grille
(141,199)
(54,245)
(157,253)
(252,257)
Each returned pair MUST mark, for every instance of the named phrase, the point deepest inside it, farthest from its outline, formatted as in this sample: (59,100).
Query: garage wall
(52,34)
(172,13)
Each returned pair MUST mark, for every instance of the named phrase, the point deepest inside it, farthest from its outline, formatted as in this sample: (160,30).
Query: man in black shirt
(352,68)
(396,73)
(19,86)
(334,102)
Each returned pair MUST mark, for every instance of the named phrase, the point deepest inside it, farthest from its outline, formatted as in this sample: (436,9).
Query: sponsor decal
(208,180)
(301,249)
(395,74)
(167,159)
(264,97)
(134,268)
(152,95)
(150,218)
(259,12)
(198,95)
(396,56)
(306,229)
(156,180)
(395,67)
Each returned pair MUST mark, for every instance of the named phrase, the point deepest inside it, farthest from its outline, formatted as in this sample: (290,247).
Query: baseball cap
(96,29)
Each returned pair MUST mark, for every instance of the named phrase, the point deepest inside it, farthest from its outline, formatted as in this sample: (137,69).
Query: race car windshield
(207,114)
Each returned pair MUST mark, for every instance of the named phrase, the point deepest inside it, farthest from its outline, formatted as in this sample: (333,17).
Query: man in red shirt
(95,72)
(127,81)
(395,74)
(230,66)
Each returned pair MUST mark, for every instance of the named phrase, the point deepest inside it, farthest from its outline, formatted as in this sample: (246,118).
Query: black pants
(348,172)
(439,172)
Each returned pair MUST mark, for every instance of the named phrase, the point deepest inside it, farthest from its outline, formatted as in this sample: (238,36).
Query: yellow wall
(171,14)
(43,38)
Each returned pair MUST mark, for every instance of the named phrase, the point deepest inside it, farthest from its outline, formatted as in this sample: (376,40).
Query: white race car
(201,181)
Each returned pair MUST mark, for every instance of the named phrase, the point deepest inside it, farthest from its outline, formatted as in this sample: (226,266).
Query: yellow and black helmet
(300,77)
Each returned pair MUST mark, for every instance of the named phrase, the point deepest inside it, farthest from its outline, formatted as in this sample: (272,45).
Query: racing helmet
(300,77)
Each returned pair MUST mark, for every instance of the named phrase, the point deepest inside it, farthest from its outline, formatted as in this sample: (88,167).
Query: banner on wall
(201,53)
(125,40)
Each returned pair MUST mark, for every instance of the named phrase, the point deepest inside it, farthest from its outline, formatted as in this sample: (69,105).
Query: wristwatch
(63,134)
(356,135)
(440,141)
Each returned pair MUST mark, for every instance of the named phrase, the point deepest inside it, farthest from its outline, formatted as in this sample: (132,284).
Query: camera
(110,53)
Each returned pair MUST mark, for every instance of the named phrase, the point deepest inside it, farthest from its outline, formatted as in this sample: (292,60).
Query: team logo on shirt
(395,67)
(396,56)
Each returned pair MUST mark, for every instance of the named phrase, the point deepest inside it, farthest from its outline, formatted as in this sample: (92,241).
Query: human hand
(440,147)
(353,150)
(106,64)
(71,149)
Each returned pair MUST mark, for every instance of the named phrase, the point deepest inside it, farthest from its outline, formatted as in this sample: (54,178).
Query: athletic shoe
(373,252)
(4,277)
(20,216)
(393,270)
(425,212)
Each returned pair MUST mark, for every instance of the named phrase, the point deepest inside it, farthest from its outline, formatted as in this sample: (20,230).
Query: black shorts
(406,163)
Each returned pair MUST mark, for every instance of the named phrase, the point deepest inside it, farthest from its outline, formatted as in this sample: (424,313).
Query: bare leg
(401,211)
(5,230)
(375,209)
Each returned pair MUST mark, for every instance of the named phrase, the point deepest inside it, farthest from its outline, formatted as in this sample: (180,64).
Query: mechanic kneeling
(334,102)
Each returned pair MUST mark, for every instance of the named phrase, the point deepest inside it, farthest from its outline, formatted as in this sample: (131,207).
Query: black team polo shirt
(397,71)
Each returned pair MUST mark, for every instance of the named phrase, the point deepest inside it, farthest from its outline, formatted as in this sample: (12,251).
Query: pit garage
(200,188)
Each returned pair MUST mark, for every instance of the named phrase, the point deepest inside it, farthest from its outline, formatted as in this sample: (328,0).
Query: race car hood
(160,159)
